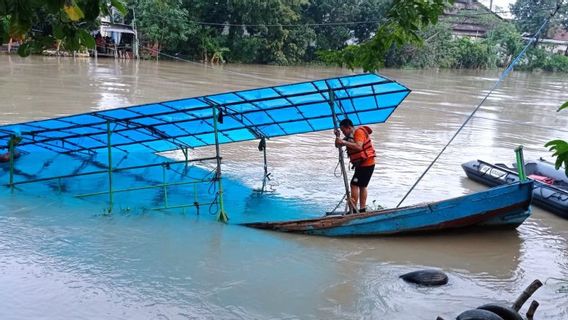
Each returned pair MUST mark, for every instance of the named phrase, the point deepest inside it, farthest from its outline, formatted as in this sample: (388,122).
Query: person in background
(361,155)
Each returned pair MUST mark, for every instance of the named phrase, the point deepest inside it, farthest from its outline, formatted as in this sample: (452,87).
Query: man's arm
(357,146)
(337,138)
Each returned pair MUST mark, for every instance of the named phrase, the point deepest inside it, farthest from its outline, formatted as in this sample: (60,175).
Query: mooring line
(210,67)
(501,78)
(511,122)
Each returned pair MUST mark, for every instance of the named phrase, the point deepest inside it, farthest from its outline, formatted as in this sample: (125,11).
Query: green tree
(405,20)
(65,21)
(531,14)
(438,50)
(164,23)
(332,34)
(258,31)
(508,42)
(472,54)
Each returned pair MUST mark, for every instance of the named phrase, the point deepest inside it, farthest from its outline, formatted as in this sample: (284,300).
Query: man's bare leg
(354,195)
(363,198)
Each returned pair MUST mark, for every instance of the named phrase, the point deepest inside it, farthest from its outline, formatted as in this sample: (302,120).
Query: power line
(344,23)
(221,24)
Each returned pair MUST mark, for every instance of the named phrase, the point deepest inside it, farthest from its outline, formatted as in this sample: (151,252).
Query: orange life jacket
(368,151)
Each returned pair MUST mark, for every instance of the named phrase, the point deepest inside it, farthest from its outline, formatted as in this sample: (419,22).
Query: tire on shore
(504,311)
(478,314)
(426,277)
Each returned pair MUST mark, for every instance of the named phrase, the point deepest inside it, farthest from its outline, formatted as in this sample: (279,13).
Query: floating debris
(426,277)
(498,311)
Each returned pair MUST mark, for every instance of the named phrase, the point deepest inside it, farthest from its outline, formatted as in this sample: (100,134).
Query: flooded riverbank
(66,260)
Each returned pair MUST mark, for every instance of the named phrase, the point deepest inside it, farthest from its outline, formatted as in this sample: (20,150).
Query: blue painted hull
(501,207)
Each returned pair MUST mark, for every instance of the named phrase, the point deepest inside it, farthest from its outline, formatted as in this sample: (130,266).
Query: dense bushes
(504,43)
(298,31)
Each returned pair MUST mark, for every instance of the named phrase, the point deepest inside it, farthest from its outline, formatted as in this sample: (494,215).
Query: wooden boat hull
(551,197)
(501,207)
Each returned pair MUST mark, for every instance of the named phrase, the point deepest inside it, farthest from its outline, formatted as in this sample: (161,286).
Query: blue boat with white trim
(550,185)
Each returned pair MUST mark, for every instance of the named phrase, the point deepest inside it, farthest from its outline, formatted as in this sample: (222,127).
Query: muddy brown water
(57,261)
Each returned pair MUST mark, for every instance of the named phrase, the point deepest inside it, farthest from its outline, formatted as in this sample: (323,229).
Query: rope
(214,204)
(335,174)
(501,78)
(210,67)
(337,206)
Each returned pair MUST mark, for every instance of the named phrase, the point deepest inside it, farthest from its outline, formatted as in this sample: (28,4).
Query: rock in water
(426,277)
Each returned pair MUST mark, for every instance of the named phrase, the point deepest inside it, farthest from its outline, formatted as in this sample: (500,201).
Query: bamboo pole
(350,204)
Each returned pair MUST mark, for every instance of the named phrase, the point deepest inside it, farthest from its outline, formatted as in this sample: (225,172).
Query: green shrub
(472,54)
(556,62)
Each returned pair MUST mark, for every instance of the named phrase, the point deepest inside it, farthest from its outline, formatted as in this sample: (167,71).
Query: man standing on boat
(361,155)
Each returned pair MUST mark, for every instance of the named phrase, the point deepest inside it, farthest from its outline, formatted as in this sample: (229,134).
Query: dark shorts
(362,176)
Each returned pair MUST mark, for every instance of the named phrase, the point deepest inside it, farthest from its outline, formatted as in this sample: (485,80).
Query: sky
(500,3)
(503,4)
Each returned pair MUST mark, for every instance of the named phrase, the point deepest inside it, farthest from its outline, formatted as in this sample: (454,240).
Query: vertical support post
(109,150)
(222,216)
(262,147)
(186,155)
(11,150)
(520,163)
(195,200)
(350,204)
(265,168)
(165,186)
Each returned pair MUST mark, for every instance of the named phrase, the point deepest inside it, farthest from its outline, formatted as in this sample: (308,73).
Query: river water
(60,260)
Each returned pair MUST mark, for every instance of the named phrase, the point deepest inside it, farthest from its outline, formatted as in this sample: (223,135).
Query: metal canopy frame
(169,123)
(185,124)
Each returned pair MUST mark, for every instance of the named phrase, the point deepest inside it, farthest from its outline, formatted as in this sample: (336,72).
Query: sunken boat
(106,155)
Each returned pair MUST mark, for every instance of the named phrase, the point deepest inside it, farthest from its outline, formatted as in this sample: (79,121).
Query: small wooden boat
(550,188)
(502,207)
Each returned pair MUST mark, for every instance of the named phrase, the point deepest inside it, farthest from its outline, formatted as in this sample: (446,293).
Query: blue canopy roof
(249,114)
